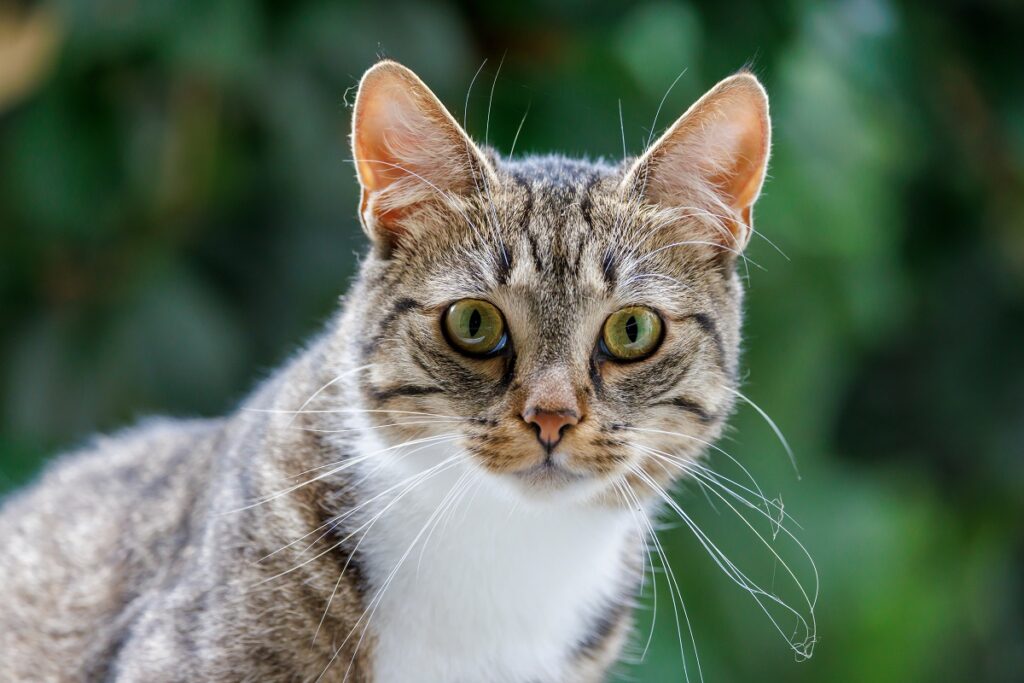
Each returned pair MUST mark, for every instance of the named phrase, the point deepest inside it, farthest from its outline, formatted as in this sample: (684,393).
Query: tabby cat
(455,480)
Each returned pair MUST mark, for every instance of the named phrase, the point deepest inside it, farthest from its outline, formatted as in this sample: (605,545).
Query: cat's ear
(713,158)
(408,151)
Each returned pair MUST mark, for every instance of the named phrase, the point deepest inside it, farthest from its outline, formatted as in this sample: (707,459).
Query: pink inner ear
(744,144)
(409,151)
(716,153)
(382,135)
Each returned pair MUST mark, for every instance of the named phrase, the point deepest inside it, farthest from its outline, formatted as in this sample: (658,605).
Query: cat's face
(574,324)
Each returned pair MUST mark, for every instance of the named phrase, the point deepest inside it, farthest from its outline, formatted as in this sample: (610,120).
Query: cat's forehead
(552,232)
(557,228)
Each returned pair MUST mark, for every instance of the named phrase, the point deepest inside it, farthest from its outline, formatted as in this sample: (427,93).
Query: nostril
(550,425)
(536,428)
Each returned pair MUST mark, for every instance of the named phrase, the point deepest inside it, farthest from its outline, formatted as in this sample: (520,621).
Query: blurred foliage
(177,212)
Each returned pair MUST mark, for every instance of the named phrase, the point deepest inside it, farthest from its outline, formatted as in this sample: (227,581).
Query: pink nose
(550,424)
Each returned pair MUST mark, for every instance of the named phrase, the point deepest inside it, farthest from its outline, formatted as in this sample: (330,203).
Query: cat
(455,480)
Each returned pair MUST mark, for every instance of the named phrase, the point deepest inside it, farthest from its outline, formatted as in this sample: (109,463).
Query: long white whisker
(704,475)
(777,524)
(771,423)
(674,590)
(353,510)
(356,411)
(455,495)
(371,608)
(345,464)
(712,446)
(654,124)
(648,560)
(330,383)
(515,139)
(349,430)
(804,648)
(427,474)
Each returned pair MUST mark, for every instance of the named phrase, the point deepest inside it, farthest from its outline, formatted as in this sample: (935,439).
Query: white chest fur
(478,586)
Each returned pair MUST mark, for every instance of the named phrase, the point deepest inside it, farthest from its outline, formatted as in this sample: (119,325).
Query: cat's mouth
(549,473)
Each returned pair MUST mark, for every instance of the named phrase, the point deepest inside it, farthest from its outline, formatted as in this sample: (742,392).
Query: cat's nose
(550,424)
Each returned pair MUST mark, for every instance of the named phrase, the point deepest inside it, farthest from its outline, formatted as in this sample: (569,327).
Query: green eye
(475,327)
(632,333)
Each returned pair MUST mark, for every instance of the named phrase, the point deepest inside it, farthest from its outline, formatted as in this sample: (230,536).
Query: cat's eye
(475,328)
(631,333)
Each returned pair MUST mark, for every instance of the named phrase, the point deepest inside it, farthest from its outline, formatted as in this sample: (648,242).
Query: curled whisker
(709,476)
(803,648)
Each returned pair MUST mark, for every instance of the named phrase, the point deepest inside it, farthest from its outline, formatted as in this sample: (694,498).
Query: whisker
(344,465)
(331,383)
(490,101)
(486,189)
(431,472)
(371,608)
(622,129)
(355,411)
(515,139)
(772,244)
(648,561)
(703,473)
(712,446)
(455,495)
(705,243)
(445,196)
(348,430)
(469,91)
(771,423)
(674,590)
(353,510)
(804,648)
(654,124)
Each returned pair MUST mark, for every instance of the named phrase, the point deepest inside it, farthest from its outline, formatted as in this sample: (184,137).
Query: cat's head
(572,324)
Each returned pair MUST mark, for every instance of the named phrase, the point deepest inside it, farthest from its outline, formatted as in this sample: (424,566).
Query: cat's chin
(549,482)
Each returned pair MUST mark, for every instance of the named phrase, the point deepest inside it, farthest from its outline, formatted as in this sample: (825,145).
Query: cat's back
(81,549)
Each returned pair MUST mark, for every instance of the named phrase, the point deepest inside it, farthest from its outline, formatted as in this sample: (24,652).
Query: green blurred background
(177,213)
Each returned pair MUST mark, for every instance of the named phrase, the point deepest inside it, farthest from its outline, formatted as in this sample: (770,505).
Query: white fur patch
(501,589)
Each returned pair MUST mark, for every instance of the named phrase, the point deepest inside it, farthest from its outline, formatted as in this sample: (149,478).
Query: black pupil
(632,329)
(474,322)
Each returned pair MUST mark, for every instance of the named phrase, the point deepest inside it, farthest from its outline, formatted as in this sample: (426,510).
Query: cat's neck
(462,571)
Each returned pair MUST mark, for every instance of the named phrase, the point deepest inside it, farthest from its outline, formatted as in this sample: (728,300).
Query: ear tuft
(408,151)
(714,156)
